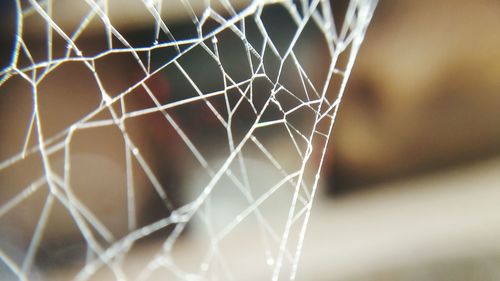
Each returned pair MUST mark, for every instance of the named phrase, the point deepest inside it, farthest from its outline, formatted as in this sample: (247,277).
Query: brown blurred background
(424,94)
(413,165)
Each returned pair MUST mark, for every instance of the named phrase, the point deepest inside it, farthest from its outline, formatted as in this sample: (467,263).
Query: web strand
(217,126)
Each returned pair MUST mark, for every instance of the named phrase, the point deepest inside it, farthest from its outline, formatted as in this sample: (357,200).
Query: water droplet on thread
(174,216)
(107,99)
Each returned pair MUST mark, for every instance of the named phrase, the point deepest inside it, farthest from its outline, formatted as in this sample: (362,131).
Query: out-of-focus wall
(424,93)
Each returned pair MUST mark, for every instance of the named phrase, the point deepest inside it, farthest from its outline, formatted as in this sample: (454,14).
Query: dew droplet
(174,216)
(107,99)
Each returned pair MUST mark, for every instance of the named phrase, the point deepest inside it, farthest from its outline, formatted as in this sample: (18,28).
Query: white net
(138,145)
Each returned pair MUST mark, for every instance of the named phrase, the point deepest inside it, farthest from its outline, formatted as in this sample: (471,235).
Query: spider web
(208,137)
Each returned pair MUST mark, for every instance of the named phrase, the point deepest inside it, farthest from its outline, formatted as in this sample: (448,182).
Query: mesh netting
(170,140)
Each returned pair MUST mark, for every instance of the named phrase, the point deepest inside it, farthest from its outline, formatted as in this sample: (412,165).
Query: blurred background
(411,182)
